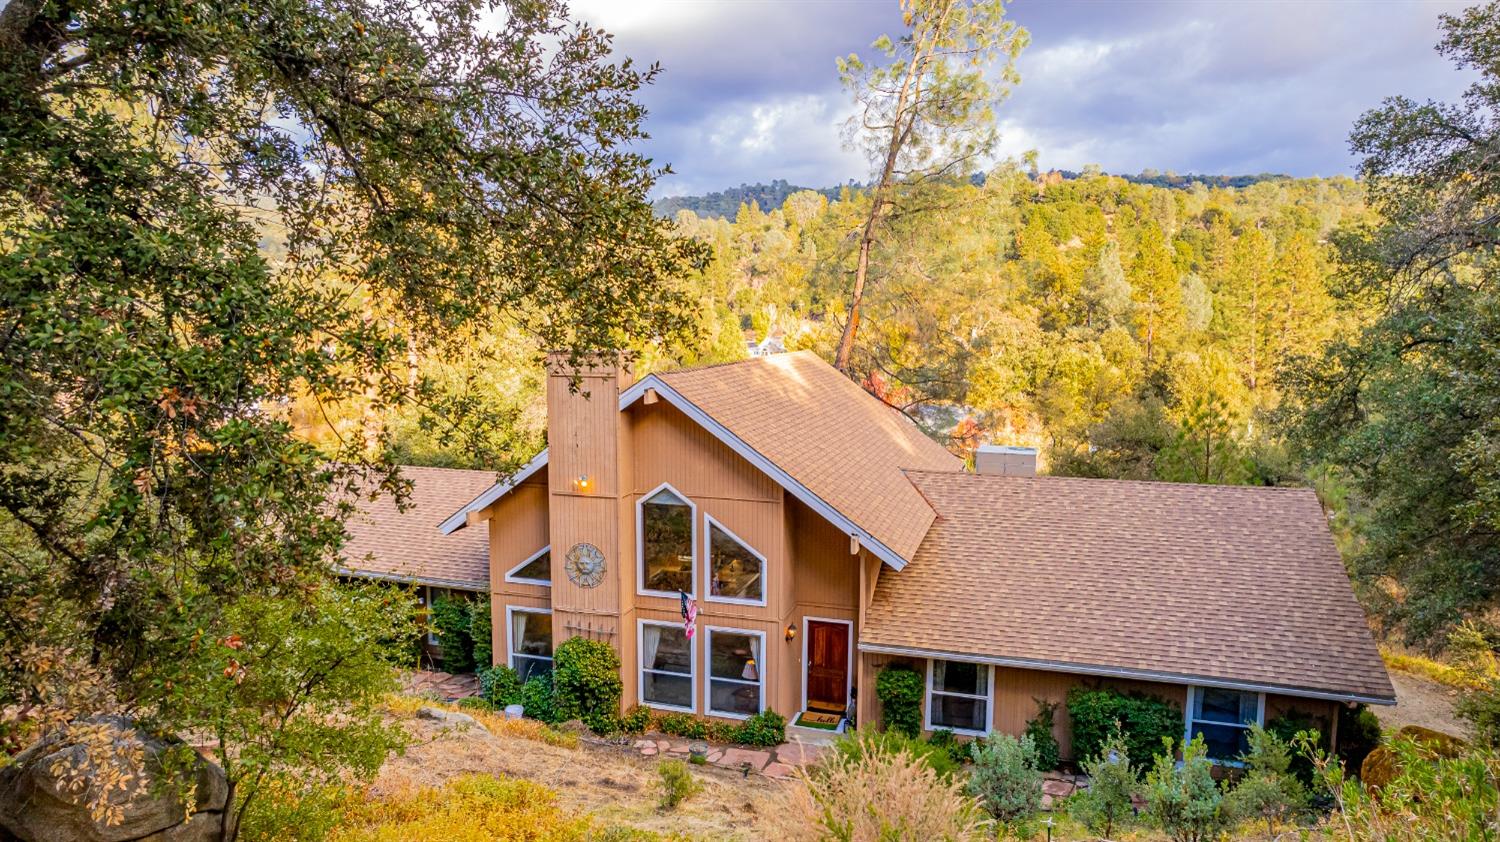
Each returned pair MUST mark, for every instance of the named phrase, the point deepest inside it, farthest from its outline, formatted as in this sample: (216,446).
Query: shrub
(1113,782)
(1039,729)
(476,703)
(1269,791)
(682,725)
(949,742)
(481,633)
(900,689)
(450,622)
(1287,726)
(1183,800)
(1359,734)
(536,698)
(767,728)
(1429,797)
(1005,779)
(915,802)
(500,686)
(1382,765)
(636,720)
(1144,720)
(468,807)
(854,745)
(677,783)
(719,732)
(586,683)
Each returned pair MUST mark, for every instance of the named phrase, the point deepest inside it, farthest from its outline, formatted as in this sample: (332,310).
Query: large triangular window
(535,570)
(736,573)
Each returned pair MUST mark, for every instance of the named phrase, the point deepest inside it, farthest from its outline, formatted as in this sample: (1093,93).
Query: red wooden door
(827,666)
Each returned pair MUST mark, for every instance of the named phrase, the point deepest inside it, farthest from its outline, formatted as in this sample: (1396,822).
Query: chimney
(583,423)
(1005,460)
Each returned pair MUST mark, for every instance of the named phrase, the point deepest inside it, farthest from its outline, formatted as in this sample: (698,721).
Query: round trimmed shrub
(899,689)
(586,683)
(536,698)
(500,686)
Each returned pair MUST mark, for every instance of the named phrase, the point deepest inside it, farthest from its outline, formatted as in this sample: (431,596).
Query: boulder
(41,802)
(1382,765)
(447,717)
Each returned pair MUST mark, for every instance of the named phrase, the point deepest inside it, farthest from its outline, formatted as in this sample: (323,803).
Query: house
(825,537)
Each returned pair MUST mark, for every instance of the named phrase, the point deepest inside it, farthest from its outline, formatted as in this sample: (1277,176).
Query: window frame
(988,698)
(709,678)
(640,667)
(1188,720)
(709,523)
(510,643)
(510,575)
(640,542)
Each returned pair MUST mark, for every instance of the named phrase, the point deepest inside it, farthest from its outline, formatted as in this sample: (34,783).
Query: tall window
(736,573)
(530,641)
(1224,718)
(535,570)
(958,696)
(735,672)
(667,535)
(666,666)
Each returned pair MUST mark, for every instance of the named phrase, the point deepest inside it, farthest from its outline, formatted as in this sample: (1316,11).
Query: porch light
(583,483)
(791,632)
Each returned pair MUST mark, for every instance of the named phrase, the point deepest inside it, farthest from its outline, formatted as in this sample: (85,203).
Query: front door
(827,666)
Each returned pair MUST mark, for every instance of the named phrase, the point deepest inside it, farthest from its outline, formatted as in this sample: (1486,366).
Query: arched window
(666,523)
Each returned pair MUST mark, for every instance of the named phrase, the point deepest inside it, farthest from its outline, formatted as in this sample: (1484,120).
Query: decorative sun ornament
(584,565)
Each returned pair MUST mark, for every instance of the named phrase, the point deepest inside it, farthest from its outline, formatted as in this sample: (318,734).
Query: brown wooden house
(824,536)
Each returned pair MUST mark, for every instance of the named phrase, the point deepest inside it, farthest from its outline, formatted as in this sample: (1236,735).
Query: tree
(926,115)
(1156,289)
(1113,785)
(1106,293)
(208,210)
(1405,409)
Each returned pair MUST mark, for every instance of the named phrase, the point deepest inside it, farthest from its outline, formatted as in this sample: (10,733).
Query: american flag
(689,613)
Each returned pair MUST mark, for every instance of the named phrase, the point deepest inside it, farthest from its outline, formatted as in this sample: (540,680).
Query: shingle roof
(838,441)
(1228,583)
(388,543)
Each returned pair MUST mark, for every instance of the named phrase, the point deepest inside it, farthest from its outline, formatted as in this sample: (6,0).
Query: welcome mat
(814,719)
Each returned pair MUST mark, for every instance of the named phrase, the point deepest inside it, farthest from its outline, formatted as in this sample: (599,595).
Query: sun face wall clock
(584,565)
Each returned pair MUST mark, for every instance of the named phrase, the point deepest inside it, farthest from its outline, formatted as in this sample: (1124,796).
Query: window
(666,666)
(1224,718)
(530,641)
(958,696)
(736,573)
(735,685)
(535,570)
(665,520)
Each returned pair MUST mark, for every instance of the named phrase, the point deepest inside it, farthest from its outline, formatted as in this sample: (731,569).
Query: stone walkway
(780,762)
(1059,785)
(442,685)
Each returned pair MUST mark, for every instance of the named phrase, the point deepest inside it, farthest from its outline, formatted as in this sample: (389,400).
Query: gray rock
(39,804)
(448,717)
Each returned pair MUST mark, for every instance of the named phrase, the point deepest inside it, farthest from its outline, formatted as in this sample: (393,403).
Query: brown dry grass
(613,783)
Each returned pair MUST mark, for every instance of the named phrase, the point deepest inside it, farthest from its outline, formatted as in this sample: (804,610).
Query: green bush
(946,740)
(1113,782)
(536,698)
(767,728)
(721,732)
(1182,799)
(1144,720)
(682,725)
(677,783)
(1359,734)
(476,703)
(500,686)
(449,620)
(1039,729)
(636,720)
(1268,792)
(1287,726)
(855,746)
(900,689)
(1432,793)
(1005,780)
(586,683)
(481,633)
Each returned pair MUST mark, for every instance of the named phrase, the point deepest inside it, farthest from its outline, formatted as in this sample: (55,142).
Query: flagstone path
(780,762)
(443,685)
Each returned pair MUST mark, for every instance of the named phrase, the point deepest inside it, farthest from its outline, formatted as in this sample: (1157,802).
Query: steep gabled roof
(839,443)
(1230,585)
(386,543)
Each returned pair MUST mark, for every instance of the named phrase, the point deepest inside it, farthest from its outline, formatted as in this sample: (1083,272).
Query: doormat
(813,719)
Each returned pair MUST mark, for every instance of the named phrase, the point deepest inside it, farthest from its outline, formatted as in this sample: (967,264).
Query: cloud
(749,92)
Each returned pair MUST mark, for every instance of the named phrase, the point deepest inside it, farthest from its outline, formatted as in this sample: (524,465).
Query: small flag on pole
(689,613)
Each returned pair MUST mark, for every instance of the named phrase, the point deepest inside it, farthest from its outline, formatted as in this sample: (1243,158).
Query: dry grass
(522,729)
(1424,667)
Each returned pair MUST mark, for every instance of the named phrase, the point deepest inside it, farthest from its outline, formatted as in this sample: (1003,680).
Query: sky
(749,92)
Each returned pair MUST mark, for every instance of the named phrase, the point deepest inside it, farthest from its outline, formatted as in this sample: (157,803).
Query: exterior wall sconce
(791,632)
(583,483)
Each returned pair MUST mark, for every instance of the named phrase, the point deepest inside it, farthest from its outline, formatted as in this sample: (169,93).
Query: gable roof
(385,543)
(835,442)
(1222,585)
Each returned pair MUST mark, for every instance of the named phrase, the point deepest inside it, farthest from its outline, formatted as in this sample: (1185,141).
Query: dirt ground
(613,783)
(1420,702)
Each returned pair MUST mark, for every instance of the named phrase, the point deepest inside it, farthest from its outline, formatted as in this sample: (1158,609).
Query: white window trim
(709,522)
(848,668)
(989,699)
(510,627)
(709,678)
(640,541)
(510,575)
(1188,720)
(640,668)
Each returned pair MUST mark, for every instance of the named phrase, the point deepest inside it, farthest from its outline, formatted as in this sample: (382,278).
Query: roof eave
(1127,673)
(459,519)
(455,584)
